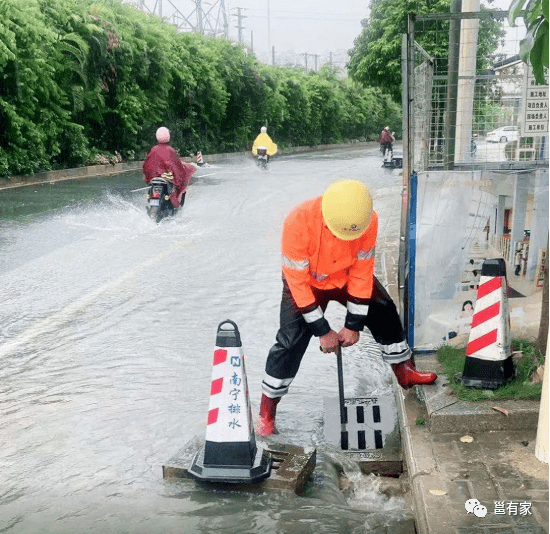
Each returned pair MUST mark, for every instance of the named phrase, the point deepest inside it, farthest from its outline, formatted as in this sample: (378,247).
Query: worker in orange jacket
(328,249)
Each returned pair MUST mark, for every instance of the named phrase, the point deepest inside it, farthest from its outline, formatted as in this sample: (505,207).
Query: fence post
(452,88)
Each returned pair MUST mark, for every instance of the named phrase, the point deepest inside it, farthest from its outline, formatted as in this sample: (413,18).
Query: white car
(503,135)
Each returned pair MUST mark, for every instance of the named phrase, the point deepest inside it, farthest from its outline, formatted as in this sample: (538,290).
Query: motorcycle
(262,157)
(158,198)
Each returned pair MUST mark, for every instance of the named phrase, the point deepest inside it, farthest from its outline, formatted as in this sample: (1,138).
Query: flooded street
(108,325)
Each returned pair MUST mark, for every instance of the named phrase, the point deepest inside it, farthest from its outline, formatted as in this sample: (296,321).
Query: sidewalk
(498,468)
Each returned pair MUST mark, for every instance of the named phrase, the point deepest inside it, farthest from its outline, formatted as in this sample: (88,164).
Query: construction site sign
(535,106)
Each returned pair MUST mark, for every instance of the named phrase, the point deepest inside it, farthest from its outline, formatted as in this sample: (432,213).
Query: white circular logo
(473,506)
(470,505)
(480,510)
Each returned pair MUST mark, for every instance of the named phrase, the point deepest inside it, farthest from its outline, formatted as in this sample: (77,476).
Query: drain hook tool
(343,410)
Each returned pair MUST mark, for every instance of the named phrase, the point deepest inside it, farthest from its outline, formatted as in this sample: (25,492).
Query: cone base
(260,470)
(486,374)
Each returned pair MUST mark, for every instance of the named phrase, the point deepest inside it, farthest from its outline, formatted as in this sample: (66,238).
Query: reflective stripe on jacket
(313,256)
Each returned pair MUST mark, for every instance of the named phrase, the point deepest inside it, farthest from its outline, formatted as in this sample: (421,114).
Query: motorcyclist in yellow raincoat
(264,140)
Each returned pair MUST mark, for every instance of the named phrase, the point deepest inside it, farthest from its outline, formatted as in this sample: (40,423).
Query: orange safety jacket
(314,257)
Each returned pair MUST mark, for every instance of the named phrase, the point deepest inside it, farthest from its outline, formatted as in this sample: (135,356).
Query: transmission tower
(208,20)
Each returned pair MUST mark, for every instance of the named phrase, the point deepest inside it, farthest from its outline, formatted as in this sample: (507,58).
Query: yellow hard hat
(347,209)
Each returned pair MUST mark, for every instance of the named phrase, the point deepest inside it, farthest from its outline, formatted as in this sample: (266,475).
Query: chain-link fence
(470,108)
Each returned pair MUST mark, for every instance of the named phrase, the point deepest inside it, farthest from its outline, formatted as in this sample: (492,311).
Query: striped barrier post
(230,453)
(489,351)
(200,161)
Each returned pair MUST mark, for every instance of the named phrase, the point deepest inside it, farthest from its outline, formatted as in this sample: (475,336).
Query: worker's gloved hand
(329,342)
(348,337)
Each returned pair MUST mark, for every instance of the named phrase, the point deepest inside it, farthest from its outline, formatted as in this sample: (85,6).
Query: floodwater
(107,329)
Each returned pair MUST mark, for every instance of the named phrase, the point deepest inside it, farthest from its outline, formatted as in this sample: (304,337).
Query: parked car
(503,135)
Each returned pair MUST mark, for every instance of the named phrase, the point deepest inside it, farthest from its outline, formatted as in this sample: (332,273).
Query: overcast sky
(312,26)
(303,26)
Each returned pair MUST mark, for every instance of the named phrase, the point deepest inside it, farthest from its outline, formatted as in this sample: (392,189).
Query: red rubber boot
(265,425)
(408,376)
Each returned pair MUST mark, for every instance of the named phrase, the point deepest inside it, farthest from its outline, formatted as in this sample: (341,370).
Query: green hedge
(79,78)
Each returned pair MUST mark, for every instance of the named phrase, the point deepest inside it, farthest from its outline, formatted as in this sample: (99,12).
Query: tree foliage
(376,54)
(83,77)
(534,48)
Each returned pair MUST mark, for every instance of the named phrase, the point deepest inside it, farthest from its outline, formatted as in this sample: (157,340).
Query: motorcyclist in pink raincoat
(163,161)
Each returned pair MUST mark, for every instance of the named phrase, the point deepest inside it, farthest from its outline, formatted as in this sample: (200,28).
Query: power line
(327,19)
(315,13)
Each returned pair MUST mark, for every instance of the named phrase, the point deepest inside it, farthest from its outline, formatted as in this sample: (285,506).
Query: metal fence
(469,107)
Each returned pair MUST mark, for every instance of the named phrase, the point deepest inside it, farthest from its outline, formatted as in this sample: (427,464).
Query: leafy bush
(83,78)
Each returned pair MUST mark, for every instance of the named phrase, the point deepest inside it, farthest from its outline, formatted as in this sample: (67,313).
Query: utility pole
(273,55)
(315,56)
(239,26)
(305,55)
(268,28)
(252,41)
(330,59)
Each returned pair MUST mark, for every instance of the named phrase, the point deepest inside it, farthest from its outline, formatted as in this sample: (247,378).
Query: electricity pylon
(211,20)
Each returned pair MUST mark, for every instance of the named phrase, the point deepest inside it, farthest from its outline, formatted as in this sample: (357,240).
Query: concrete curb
(118,168)
(448,414)
(417,455)
(70,174)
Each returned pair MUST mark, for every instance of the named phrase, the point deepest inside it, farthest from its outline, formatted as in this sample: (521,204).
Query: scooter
(158,199)
(262,157)
(391,161)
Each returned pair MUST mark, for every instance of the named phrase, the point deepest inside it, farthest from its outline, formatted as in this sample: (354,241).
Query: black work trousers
(292,339)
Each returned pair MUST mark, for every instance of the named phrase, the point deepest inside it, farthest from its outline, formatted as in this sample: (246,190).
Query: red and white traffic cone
(230,453)
(200,161)
(489,352)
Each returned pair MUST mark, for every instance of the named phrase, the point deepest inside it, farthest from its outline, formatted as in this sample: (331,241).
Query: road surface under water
(107,328)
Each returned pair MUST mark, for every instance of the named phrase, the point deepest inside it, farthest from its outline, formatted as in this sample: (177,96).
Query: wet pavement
(108,324)
(97,394)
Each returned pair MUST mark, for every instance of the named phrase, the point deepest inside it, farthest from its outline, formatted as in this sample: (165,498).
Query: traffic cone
(489,351)
(230,453)
(200,161)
